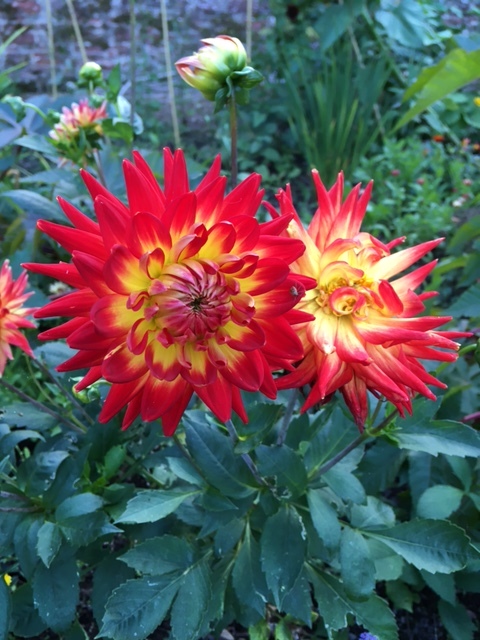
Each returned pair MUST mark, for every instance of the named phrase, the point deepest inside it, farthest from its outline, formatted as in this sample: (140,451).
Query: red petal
(268,274)
(147,234)
(175,174)
(64,271)
(77,303)
(77,218)
(122,272)
(141,195)
(71,239)
(118,396)
(63,330)
(218,398)
(111,316)
(121,365)
(91,270)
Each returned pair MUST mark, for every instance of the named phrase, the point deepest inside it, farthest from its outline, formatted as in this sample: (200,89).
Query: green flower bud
(91,72)
(219,65)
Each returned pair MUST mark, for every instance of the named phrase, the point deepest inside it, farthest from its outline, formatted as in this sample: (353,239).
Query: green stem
(233,139)
(248,34)
(51,49)
(353,445)
(76,30)
(38,405)
(168,64)
(65,391)
(98,163)
(282,434)
(246,457)
(133,63)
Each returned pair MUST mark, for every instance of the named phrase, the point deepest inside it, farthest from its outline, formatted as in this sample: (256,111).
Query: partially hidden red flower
(178,292)
(366,335)
(13,315)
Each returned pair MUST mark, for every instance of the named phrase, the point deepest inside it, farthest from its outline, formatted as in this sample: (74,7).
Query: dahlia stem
(133,63)
(42,407)
(353,445)
(65,391)
(233,139)
(51,49)
(282,434)
(248,34)
(76,29)
(246,457)
(98,163)
(168,65)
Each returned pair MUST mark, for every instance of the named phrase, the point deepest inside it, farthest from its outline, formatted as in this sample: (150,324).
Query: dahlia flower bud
(218,67)
(91,72)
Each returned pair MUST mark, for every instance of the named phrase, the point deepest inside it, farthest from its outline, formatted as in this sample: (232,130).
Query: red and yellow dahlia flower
(366,335)
(80,117)
(13,315)
(181,291)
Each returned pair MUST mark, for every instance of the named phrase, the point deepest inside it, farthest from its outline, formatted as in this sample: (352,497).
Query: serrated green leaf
(285,465)
(457,621)
(56,592)
(213,452)
(356,565)
(25,542)
(49,542)
(443,584)
(283,555)
(261,419)
(108,575)
(345,485)
(159,556)
(78,505)
(388,564)
(433,545)
(137,607)
(191,603)
(324,518)
(150,506)
(83,530)
(334,605)
(440,436)
(22,414)
(333,437)
(468,304)
(439,502)
(259,631)
(400,595)
(26,621)
(298,601)
(5,609)
(374,513)
(247,577)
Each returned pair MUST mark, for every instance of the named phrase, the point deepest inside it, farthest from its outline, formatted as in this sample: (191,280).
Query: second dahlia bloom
(366,335)
(13,315)
(178,292)
(80,117)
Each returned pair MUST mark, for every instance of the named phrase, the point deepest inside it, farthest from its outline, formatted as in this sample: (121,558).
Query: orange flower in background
(13,315)
(180,291)
(366,335)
